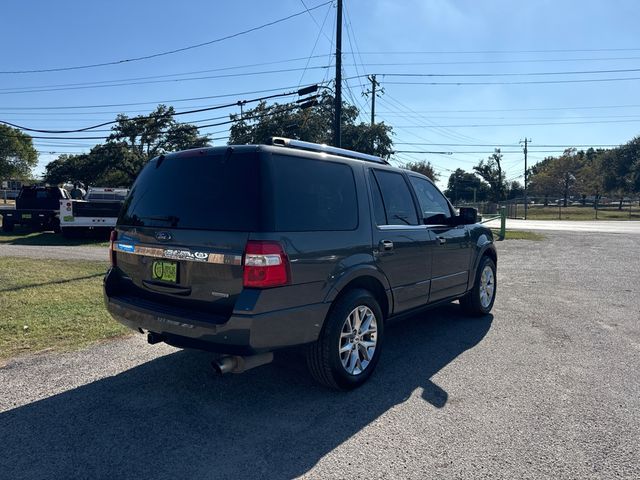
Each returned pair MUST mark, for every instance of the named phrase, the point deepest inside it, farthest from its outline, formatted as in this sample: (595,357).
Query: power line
(502,145)
(174,80)
(510,74)
(525,124)
(457,52)
(529,109)
(524,82)
(152,116)
(168,52)
(156,102)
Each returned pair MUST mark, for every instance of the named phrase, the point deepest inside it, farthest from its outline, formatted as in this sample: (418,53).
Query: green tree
(490,171)
(466,187)
(425,168)
(515,190)
(313,124)
(17,155)
(132,143)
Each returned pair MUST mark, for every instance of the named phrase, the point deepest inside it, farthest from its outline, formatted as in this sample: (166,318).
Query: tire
(55,225)
(479,300)
(344,371)
(7,226)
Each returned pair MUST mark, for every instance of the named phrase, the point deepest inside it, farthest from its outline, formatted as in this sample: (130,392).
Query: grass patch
(53,304)
(520,235)
(537,212)
(26,237)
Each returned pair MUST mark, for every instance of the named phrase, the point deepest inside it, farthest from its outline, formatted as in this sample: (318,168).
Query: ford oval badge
(163,236)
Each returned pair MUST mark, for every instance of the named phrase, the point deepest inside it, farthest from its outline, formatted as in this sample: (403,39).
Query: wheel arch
(369,279)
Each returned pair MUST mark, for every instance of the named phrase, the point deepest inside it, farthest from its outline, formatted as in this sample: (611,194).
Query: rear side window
(205,192)
(312,195)
(397,198)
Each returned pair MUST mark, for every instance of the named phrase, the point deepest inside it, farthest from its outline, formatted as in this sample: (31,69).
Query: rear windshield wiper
(172,219)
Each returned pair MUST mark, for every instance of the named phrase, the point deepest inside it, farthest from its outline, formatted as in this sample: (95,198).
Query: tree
(491,172)
(314,124)
(425,168)
(466,187)
(515,190)
(17,155)
(132,143)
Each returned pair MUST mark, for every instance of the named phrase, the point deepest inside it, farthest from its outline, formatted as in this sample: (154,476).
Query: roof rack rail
(318,147)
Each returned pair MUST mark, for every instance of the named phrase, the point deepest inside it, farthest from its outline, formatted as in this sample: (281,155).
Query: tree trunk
(620,204)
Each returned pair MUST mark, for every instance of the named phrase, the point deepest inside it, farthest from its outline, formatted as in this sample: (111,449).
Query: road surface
(545,388)
(602,226)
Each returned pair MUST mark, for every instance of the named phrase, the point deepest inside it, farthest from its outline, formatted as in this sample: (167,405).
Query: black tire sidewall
(336,320)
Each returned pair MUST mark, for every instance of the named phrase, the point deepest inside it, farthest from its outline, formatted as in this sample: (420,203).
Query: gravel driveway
(547,387)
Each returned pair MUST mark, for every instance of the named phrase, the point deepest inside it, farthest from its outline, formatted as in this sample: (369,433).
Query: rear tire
(7,226)
(349,347)
(479,300)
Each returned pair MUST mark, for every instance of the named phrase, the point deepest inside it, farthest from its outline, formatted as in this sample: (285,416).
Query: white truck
(97,212)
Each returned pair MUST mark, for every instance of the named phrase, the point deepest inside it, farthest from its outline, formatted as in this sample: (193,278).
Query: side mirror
(468,216)
(437,219)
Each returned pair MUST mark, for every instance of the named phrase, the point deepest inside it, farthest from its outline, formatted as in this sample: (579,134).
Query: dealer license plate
(164,271)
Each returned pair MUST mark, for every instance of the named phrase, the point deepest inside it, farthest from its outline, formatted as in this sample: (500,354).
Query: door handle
(441,240)
(386,245)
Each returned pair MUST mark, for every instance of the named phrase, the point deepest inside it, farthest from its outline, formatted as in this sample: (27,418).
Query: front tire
(349,347)
(479,300)
(7,226)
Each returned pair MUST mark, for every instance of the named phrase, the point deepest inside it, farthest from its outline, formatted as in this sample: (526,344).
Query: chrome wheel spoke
(358,340)
(487,286)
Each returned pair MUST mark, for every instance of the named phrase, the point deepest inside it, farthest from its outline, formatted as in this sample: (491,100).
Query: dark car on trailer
(37,208)
(263,247)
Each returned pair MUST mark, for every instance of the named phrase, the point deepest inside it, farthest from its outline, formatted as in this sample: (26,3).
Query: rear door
(451,248)
(184,227)
(400,241)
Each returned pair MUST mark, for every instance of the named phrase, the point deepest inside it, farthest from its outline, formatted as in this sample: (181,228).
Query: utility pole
(526,197)
(374,84)
(337,134)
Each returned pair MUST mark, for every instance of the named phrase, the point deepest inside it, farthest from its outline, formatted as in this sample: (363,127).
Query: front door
(451,248)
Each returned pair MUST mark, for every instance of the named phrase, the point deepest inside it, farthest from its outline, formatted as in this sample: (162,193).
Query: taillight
(112,251)
(265,265)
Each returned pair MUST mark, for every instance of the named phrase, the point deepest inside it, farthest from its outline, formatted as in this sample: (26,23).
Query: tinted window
(398,202)
(312,195)
(213,192)
(431,200)
(378,206)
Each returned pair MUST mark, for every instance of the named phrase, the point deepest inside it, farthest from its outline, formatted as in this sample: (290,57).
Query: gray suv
(245,250)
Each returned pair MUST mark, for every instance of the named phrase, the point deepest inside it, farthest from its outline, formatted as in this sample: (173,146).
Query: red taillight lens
(112,251)
(265,265)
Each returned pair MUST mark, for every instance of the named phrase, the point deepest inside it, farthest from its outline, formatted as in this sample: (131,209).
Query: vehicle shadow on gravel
(172,418)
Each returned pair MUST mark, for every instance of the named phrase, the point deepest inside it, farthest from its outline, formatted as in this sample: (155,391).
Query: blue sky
(435,37)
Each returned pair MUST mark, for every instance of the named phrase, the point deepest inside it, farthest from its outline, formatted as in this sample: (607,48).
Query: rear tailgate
(189,270)
(184,227)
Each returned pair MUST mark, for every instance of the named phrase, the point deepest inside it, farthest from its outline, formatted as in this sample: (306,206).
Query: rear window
(39,193)
(312,195)
(212,192)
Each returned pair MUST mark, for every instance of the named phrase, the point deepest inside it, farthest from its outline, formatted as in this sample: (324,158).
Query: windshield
(212,192)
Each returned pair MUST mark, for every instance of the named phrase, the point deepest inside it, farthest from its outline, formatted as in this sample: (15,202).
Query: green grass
(26,237)
(520,235)
(52,304)
(577,213)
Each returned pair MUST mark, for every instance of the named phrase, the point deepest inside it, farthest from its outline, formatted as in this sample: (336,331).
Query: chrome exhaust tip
(239,364)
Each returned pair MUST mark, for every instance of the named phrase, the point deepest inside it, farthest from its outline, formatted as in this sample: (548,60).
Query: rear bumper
(29,218)
(240,334)
(89,222)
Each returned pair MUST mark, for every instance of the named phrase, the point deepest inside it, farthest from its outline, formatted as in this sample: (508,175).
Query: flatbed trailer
(37,208)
